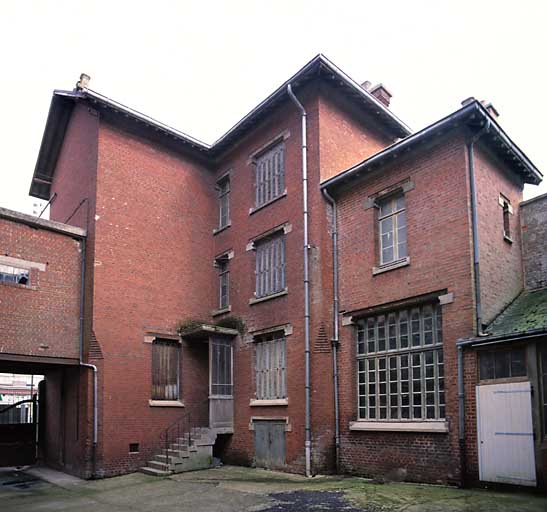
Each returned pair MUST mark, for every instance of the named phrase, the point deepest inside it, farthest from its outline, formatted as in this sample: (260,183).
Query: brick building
(297,289)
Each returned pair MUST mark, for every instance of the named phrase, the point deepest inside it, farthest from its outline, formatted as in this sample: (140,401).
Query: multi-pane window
(9,274)
(221,367)
(392,229)
(507,211)
(270,367)
(544,388)
(270,175)
(270,266)
(165,370)
(223,187)
(400,365)
(502,364)
(223,282)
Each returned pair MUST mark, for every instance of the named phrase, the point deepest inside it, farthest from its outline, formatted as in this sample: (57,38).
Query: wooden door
(505,433)
(269,443)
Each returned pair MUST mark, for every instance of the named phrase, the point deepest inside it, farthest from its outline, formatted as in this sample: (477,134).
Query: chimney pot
(83,83)
(366,85)
(380,92)
(493,111)
(468,101)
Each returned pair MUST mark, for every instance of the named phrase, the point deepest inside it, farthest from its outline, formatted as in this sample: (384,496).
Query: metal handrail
(182,427)
(11,406)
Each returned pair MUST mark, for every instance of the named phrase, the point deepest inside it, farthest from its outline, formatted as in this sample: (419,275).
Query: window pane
(502,364)
(518,363)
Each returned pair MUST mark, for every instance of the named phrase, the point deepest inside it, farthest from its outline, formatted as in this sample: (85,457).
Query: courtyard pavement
(236,489)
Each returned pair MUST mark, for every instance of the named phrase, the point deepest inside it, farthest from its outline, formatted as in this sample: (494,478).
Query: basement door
(269,443)
(505,433)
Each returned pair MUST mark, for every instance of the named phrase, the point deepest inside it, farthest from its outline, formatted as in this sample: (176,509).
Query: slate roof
(526,313)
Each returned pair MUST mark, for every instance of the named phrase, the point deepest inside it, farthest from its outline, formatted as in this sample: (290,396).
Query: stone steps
(180,456)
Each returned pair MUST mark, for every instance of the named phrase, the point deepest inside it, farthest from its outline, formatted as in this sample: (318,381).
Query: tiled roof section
(527,312)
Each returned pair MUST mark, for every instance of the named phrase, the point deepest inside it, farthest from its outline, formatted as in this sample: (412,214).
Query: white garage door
(505,431)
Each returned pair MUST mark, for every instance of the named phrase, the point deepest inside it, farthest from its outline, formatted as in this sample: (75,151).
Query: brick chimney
(83,83)
(381,93)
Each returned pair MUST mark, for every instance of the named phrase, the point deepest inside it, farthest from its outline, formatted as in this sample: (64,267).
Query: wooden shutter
(165,370)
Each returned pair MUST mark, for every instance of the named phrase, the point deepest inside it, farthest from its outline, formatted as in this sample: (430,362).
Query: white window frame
(397,216)
(400,366)
(14,275)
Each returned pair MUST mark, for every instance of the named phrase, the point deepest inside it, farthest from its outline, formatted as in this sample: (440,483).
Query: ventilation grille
(322,343)
(95,351)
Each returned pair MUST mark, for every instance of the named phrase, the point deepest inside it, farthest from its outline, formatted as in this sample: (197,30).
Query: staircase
(192,451)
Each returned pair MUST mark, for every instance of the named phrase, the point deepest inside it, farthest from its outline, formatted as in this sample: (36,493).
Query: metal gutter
(336,325)
(306,278)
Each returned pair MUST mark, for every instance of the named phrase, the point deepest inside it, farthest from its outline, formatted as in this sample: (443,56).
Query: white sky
(202,65)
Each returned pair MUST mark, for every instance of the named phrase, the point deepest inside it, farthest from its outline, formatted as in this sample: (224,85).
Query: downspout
(306,277)
(478,305)
(474,223)
(336,328)
(87,365)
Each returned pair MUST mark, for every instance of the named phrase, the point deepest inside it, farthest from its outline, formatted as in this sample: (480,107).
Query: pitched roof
(474,116)
(319,67)
(528,312)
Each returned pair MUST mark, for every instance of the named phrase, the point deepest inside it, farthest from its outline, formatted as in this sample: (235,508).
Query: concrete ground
(236,489)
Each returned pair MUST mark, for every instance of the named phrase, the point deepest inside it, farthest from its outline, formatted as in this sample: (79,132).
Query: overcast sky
(200,66)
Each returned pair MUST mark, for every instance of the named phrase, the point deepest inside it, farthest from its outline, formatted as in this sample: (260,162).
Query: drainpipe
(335,319)
(87,365)
(478,305)
(306,276)
(474,224)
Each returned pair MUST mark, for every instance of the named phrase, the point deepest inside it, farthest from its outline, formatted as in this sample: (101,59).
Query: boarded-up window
(270,175)
(165,370)
(223,187)
(270,266)
(270,367)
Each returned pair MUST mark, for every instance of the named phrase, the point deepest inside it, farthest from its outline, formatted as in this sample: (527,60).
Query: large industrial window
(400,365)
(270,367)
(502,364)
(392,230)
(270,175)
(270,266)
(165,370)
(223,187)
(9,274)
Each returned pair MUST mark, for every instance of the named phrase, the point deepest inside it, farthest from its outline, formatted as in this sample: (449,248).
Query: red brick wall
(498,288)
(41,319)
(153,268)
(345,139)
(439,247)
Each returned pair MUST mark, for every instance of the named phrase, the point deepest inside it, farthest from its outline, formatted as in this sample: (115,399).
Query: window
(223,282)
(270,266)
(507,210)
(221,367)
(392,228)
(9,274)
(223,187)
(400,365)
(502,364)
(270,367)
(270,175)
(165,370)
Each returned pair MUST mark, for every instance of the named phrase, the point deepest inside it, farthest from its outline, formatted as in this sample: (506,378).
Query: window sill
(257,208)
(18,285)
(216,231)
(269,297)
(440,427)
(269,403)
(391,266)
(165,403)
(218,312)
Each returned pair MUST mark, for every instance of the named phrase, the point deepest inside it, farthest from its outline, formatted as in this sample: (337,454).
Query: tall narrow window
(165,370)
(392,229)
(270,367)
(270,266)
(270,175)
(223,187)
(507,211)
(221,367)
(403,378)
(223,282)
